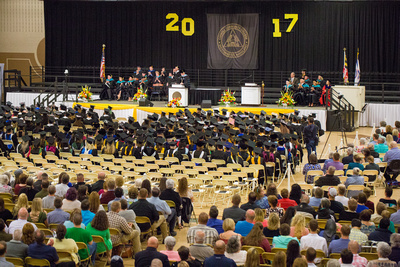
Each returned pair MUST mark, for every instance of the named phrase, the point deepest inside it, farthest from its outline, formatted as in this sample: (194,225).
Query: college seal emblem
(233,40)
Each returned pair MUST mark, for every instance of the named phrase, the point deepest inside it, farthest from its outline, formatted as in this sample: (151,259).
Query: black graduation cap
(160,140)
(26,138)
(224,137)
(234,150)
(211,142)
(221,143)
(252,144)
(90,140)
(99,137)
(36,142)
(263,112)
(42,133)
(150,140)
(123,136)
(173,143)
(258,150)
(129,140)
(110,139)
(194,138)
(200,143)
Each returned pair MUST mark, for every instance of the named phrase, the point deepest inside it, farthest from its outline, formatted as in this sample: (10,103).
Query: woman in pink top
(170,243)
(260,217)
(229,227)
(298,226)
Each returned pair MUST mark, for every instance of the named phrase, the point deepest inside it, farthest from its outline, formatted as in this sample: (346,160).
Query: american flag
(103,65)
(345,70)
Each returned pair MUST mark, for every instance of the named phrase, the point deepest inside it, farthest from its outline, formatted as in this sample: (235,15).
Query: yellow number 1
(277,31)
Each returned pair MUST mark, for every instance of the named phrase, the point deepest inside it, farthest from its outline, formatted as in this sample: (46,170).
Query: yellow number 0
(189,21)
(171,27)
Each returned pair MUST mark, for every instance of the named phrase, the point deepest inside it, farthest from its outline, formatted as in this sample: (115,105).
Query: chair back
(275,250)
(36,262)
(335,256)
(259,249)
(16,261)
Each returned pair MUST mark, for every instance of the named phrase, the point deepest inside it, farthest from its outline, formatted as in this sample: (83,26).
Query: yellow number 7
(294,18)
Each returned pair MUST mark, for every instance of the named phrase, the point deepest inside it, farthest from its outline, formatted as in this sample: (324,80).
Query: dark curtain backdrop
(134,34)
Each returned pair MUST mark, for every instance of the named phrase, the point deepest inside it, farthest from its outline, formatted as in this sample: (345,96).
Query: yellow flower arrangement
(227,97)
(175,103)
(286,98)
(139,94)
(85,93)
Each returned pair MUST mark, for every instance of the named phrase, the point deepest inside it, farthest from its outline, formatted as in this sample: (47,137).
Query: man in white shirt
(22,220)
(61,189)
(340,197)
(162,206)
(48,201)
(314,240)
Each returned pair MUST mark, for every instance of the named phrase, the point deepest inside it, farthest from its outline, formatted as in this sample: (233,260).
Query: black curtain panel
(145,33)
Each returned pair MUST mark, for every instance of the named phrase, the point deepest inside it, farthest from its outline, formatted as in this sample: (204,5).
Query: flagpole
(345,68)
(104,68)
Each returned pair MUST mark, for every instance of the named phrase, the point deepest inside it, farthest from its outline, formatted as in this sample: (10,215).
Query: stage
(127,109)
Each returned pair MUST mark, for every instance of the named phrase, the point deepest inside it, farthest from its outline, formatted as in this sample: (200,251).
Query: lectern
(251,94)
(176,91)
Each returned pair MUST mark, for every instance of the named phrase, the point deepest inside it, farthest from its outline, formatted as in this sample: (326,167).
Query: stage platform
(126,109)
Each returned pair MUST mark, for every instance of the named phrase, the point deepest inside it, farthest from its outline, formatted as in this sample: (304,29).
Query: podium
(251,94)
(178,90)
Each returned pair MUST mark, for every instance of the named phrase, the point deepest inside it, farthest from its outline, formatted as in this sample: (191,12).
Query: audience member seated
(304,206)
(62,187)
(44,189)
(354,247)
(283,240)
(70,202)
(262,199)
(213,222)
(170,194)
(253,257)
(37,215)
(251,203)
(329,233)
(244,227)
(329,179)
(128,215)
(100,226)
(330,159)
(234,212)
(3,251)
(3,235)
(355,179)
(367,226)
(376,218)
(386,214)
(381,147)
(296,193)
(29,190)
(285,202)
(210,234)
(340,197)
(395,217)
(162,206)
(234,252)
(372,165)
(256,238)
(336,206)
(39,250)
(392,154)
(229,227)
(273,202)
(349,157)
(198,249)
(15,247)
(273,226)
(395,243)
(170,243)
(388,200)
(293,253)
(219,259)
(110,194)
(298,226)
(69,223)
(119,194)
(311,166)
(48,201)
(382,233)
(361,199)
(315,201)
(28,236)
(80,180)
(356,164)
(346,258)
(311,254)
(369,204)
(98,185)
(355,232)
(20,183)
(186,257)
(5,214)
(336,246)
(144,208)
(87,215)
(383,250)
(57,216)
(349,215)
(336,162)
(260,217)
(126,232)
(144,258)
(324,211)
(60,243)
(22,220)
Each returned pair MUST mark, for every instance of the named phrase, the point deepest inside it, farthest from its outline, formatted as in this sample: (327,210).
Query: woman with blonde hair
(389,138)
(37,215)
(94,202)
(183,189)
(273,226)
(4,187)
(21,203)
(253,258)
(229,230)
(119,182)
(279,259)
(27,234)
(260,217)
(395,135)
(298,226)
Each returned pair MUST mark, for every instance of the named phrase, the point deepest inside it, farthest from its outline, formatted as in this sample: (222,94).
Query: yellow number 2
(294,18)
(171,27)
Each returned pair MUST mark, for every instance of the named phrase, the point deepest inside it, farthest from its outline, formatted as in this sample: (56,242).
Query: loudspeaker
(206,104)
(145,103)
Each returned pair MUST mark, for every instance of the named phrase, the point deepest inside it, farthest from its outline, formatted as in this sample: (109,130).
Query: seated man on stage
(300,94)
(108,88)
(185,80)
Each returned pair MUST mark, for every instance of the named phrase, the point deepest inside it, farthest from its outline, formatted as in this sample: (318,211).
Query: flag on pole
(357,77)
(103,65)
(345,70)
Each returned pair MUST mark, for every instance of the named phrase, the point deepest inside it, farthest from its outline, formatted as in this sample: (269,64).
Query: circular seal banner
(233,40)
